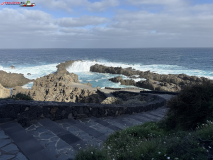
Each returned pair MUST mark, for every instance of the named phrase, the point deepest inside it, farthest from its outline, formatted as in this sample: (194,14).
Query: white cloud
(68,5)
(103,5)
(157,2)
(81,22)
(183,26)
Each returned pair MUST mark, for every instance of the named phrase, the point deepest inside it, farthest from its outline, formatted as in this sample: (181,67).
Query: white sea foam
(28,85)
(35,71)
(82,69)
(84,66)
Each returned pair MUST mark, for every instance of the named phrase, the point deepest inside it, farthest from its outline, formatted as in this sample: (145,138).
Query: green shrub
(156,144)
(21,96)
(91,153)
(192,107)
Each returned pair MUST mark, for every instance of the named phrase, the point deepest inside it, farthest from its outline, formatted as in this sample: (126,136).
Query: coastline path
(60,140)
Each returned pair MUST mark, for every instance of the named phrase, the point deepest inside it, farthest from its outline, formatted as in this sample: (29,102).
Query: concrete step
(27,144)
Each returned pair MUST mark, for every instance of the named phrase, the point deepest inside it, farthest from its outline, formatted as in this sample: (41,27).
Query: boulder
(116,79)
(12,67)
(4,92)
(123,82)
(148,84)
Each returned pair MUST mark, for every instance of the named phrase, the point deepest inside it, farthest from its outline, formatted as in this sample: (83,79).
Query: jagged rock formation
(123,82)
(4,92)
(61,68)
(159,82)
(10,80)
(55,87)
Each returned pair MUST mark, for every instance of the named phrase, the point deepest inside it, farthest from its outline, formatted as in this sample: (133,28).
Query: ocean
(41,62)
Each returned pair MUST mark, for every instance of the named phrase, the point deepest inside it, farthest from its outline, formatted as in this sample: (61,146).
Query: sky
(107,24)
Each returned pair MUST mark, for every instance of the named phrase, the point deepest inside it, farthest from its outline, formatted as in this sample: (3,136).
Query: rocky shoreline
(154,81)
(63,86)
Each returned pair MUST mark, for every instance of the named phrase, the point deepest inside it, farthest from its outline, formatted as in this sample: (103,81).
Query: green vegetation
(19,96)
(192,107)
(185,134)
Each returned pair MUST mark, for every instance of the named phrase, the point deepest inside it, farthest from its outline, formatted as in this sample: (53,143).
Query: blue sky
(107,24)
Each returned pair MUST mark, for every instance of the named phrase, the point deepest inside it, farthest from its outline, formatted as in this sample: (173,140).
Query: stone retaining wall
(129,88)
(160,92)
(27,111)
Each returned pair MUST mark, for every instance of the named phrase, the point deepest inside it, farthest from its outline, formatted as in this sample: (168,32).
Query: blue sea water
(40,62)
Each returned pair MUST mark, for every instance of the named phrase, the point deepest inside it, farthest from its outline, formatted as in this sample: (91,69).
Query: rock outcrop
(12,67)
(154,81)
(4,92)
(10,80)
(61,68)
(55,87)
(123,82)
(158,86)
(148,84)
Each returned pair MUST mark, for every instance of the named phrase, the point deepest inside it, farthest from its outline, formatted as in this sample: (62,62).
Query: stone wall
(27,111)
(160,92)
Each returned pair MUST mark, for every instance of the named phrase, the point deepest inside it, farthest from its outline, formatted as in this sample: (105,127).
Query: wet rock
(123,82)
(12,67)
(154,81)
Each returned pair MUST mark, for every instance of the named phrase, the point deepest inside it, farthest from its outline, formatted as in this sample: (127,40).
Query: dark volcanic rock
(113,70)
(158,86)
(10,80)
(160,82)
(12,67)
(116,79)
(123,82)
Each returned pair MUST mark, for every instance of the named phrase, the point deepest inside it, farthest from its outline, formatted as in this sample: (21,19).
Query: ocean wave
(84,66)
(35,71)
